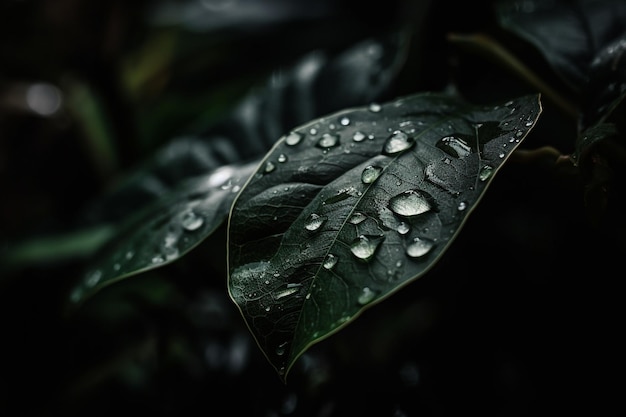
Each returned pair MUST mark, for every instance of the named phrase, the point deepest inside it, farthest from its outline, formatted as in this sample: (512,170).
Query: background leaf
(347,209)
(568,34)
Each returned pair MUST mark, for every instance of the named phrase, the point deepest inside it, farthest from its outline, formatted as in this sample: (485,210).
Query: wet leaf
(167,230)
(347,209)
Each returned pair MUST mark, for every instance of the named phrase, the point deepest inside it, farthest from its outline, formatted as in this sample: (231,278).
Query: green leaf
(568,34)
(347,209)
(168,230)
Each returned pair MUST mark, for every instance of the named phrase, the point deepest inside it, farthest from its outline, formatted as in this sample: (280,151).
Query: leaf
(168,230)
(347,209)
(607,84)
(568,34)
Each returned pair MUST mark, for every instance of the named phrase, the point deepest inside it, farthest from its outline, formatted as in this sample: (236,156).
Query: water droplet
(403,228)
(330,261)
(344,121)
(364,247)
(409,203)
(454,146)
(191,221)
(397,142)
(285,293)
(280,350)
(462,205)
(366,296)
(269,167)
(357,218)
(485,173)
(169,251)
(116,267)
(328,141)
(314,222)
(419,247)
(93,278)
(358,136)
(374,107)
(157,260)
(370,174)
(293,138)
(282,158)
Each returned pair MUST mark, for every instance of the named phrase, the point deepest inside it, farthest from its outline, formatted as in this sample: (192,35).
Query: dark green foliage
(190,211)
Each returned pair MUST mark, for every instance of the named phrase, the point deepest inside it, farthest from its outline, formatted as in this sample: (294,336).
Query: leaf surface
(347,209)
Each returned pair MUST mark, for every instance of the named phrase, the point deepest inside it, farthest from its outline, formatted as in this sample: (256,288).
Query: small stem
(492,49)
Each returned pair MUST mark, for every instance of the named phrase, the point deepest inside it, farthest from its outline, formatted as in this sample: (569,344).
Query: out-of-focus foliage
(116,116)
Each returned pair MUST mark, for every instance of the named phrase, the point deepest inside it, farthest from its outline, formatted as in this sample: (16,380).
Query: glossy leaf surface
(347,209)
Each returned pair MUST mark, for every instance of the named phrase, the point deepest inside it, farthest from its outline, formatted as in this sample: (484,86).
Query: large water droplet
(285,293)
(357,218)
(419,247)
(374,107)
(328,141)
(293,138)
(370,174)
(454,146)
(358,136)
(485,172)
(330,261)
(314,222)
(397,142)
(282,158)
(409,203)
(191,221)
(366,296)
(93,278)
(269,167)
(364,247)
(344,121)
(403,228)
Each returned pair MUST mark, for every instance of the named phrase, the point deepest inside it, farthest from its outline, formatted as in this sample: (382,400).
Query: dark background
(523,315)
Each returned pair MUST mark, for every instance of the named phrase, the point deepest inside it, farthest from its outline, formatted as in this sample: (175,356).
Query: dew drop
(314,222)
(93,278)
(191,221)
(485,173)
(462,206)
(403,228)
(157,260)
(282,158)
(293,138)
(330,261)
(370,174)
(328,141)
(366,296)
(344,121)
(280,350)
(358,136)
(374,107)
(357,218)
(364,247)
(454,146)
(409,203)
(285,293)
(269,167)
(419,247)
(398,141)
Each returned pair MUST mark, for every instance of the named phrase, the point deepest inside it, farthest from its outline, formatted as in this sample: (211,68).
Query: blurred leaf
(569,34)
(167,230)
(318,83)
(347,209)
(607,84)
